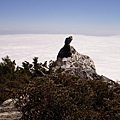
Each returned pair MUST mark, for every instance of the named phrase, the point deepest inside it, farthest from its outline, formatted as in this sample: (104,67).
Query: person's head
(68,40)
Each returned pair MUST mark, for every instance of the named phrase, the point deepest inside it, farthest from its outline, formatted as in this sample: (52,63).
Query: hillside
(47,95)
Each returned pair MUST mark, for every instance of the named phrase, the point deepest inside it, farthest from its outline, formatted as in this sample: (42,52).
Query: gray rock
(80,65)
(8,110)
(77,64)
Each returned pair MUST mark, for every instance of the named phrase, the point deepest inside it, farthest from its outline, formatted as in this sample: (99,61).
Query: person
(65,51)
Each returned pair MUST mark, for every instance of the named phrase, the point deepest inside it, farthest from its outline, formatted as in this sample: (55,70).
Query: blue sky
(86,17)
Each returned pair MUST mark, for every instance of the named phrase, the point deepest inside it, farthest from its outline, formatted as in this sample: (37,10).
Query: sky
(84,17)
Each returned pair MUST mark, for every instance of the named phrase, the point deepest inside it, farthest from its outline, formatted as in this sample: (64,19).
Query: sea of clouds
(104,51)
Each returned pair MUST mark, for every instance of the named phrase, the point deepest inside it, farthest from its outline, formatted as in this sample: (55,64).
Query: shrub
(65,97)
(45,95)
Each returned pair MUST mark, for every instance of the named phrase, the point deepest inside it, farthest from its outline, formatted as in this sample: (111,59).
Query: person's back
(65,51)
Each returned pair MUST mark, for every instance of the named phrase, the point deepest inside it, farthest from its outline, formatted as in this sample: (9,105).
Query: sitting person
(65,51)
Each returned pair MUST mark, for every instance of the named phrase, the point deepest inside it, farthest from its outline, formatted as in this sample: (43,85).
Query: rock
(8,110)
(77,64)
(80,65)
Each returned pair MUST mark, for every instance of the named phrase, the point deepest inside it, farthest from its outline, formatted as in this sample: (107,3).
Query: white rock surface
(77,64)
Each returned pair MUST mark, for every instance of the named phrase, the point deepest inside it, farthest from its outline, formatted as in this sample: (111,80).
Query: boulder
(80,65)
(8,110)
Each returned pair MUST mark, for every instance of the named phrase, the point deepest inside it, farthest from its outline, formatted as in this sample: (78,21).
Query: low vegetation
(45,95)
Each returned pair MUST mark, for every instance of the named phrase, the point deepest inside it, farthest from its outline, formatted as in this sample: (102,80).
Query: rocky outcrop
(78,64)
(8,110)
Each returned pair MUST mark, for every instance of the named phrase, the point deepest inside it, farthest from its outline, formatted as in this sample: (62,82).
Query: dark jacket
(65,50)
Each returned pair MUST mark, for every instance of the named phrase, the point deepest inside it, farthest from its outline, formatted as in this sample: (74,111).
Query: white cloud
(103,50)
